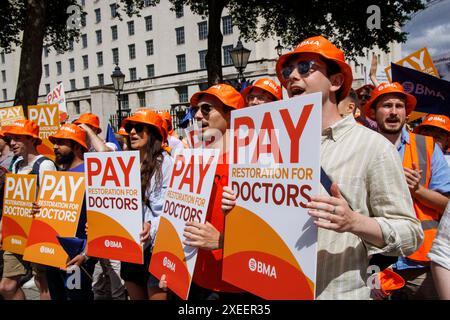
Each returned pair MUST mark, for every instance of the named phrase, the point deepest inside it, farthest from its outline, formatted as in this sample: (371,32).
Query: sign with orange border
(270,242)
(10,114)
(61,196)
(19,195)
(46,116)
(186,200)
(419,60)
(114,205)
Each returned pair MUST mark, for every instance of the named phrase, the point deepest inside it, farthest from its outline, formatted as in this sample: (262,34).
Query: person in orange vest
(264,90)
(438,127)
(427,175)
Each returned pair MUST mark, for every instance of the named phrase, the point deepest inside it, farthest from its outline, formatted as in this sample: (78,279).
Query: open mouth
(296,91)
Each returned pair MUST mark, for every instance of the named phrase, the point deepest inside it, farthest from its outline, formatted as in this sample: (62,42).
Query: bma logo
(262,268)
(47,250)
(16,241)
(420,89)
(169,264)
(113,244)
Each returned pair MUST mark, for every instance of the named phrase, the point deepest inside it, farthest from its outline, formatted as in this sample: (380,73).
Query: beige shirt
(369,173)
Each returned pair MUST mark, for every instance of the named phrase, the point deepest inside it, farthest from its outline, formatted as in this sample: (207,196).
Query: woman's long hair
(151,164)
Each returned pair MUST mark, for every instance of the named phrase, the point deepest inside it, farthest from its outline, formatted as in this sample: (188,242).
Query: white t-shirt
(175,143)
(46,165)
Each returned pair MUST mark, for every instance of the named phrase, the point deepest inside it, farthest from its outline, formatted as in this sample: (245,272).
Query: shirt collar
(338,129)
(405,136)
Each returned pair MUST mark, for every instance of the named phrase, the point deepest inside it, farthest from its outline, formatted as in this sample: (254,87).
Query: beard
(393,128)
(62,159)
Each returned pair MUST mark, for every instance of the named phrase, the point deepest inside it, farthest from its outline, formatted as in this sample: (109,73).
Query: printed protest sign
(186,200)
(270,240)
(46,116)
(58,96)
(114,205)
(419,60)
(10,114)
(60,197)
(19,195)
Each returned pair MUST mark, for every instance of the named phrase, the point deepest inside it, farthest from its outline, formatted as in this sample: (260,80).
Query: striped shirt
(369,173)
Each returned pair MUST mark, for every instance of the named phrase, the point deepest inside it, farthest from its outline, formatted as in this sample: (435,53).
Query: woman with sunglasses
(147,135)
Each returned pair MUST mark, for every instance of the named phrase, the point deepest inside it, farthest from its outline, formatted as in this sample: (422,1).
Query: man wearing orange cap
(69,144)
(24,135)
(356,217)
(264,90)
(90,123)
(427,175)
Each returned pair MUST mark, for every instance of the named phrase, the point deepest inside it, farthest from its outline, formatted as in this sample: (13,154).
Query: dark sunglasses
(303,67)
(365,97)
(138,127)
(205,109)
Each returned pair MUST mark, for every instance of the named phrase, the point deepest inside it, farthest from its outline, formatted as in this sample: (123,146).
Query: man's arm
(94,140)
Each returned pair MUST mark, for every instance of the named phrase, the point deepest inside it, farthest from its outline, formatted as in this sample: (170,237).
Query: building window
(141,97)
(132,51)
(113,10)
(70,45)
(181,63)
(98,34)
(58,68)
(2,55)
(83,19)
(83,2)
(98,15)
(124,101)
(115,54)
(202,58)
(86,82)
(46,70)
(182,94)
(227,55)
(101,79)
(133,74)
(148,23)
(100,58)
(180,35)
(47,88)
(46,50)
(130,28)
(114,33)
(149,44)
(147,3)
(72,65)
(85,62)
(84,40)
(76,106)
(5,94)
(203,30)
(150,70)
(227,25)
(179,12)
(3,75)
(73,85)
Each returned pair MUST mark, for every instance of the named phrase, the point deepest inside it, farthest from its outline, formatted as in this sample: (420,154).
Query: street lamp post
(279,48)
(240,56)
(118,79)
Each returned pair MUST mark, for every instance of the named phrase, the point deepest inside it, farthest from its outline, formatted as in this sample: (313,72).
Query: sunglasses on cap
(138,127)
(205,109)
(303,67)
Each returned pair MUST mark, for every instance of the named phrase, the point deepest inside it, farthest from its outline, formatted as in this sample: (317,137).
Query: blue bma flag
(110,137)
(432,94)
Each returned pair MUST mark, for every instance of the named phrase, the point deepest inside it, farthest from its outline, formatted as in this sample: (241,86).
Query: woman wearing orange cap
(264,90)
(147,135)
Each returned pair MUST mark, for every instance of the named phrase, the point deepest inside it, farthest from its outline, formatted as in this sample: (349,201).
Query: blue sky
(429,28)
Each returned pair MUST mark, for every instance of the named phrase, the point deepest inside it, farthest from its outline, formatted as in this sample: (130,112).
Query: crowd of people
(387,204)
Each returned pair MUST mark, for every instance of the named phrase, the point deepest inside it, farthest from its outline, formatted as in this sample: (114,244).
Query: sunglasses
(138,127)
(303,67)
(365,97)
(205,109)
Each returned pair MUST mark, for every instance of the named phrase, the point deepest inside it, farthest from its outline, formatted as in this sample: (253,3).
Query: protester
(360,218)
(427,175)
(364,94)
(349,105)
(90,123)
(24,135)
(172,140)
(264,90)
(147,136)
(440,256)
(69,145)
(6,155)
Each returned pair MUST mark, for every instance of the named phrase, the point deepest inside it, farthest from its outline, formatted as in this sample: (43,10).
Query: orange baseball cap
(326,49)
(390,281)
(224,92)
(366,86)
(72,132)
(23,128)
(90,119)
(149,117)
(167,119)
(122,132)
(435,120)
(266,84)
(386,88)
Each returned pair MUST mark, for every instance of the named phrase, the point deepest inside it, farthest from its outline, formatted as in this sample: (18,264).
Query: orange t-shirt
(208,268)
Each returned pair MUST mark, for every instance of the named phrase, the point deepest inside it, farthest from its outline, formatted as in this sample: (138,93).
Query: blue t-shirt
(81,232)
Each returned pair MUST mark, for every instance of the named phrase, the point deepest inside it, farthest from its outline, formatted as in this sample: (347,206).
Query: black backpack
(35,168)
